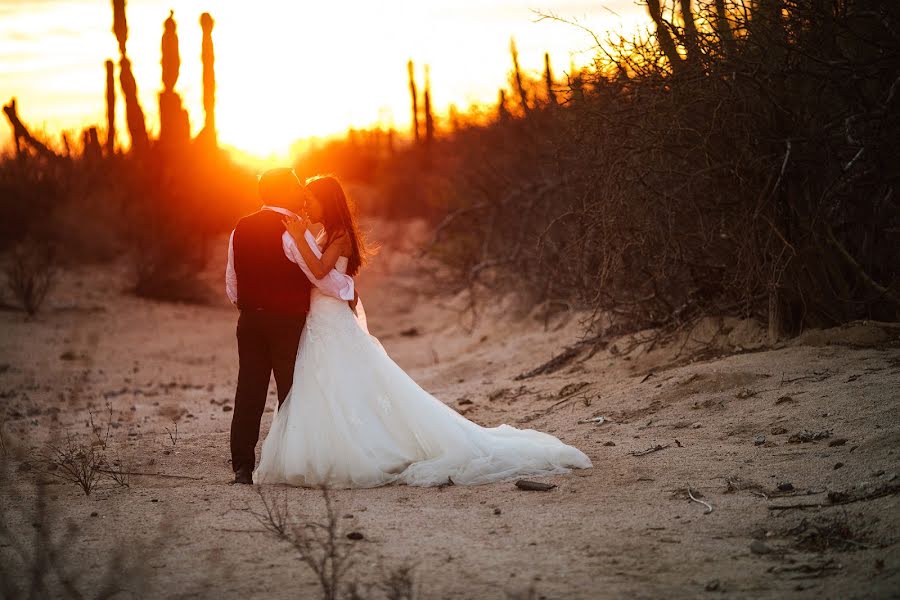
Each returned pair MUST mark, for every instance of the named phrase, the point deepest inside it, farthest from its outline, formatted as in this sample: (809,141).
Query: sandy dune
(731,427)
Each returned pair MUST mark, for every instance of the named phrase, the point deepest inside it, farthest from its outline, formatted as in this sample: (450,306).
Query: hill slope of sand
(794,449)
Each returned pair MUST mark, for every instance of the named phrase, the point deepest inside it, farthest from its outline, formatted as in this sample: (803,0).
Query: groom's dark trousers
(273,297)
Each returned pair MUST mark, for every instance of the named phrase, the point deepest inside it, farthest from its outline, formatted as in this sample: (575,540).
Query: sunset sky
(285,70)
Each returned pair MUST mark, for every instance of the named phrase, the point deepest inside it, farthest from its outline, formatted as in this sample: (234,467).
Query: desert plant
(84,461)
(518,77)
(110,108)
(399,583)
(322,545)
(168,254)
(174,125)
(208,57)
(75,462)
(134,114)
(39,551)
(30,273)
(721,166)
(173,433)
(120,471)
(414,99)
(429,116)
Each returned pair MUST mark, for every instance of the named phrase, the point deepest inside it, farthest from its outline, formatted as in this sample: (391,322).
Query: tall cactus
(174,126)
(429,117)
(207,55)
(415,100)
(90,143)
(517,73)
(453,117)
(548,81)
(110,108)
(120,24)
(502,109)
(171,61)
(134,115)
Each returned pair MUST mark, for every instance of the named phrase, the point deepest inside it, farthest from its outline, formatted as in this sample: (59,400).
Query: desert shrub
(74,461)
(167,262)
(322,545)
(160,211)
(85,459)
(751,173)
(30,272)
(329,551)
(29,189)
(39,550)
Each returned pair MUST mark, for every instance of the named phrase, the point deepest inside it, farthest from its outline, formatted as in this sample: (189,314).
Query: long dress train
(354,418)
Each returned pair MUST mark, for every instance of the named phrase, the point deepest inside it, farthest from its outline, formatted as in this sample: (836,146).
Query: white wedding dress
(354,419)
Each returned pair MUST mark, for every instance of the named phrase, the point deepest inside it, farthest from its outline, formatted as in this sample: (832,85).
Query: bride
(353,418)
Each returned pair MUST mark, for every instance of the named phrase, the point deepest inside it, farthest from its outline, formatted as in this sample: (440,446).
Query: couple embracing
(347,416)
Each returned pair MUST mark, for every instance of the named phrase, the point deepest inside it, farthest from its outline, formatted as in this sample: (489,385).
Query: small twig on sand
(242,530)
(150,474)
(799,506)
(655,448)
(708,506)
(647,376)
(597,420)
(534,486)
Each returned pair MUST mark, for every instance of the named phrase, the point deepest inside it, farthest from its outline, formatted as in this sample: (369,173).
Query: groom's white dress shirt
(334,284)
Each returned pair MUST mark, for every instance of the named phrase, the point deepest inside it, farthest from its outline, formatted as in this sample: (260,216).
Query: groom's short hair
(275,185)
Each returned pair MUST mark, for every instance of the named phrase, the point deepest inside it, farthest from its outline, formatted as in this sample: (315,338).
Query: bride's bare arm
(318,266)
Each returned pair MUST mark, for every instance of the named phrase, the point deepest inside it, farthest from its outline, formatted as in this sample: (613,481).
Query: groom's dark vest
(266,279)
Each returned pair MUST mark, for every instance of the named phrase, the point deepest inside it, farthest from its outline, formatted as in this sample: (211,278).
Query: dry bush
(73,461)
(30,272)
(326,548)
(83,460)
(322,545)
(399,583)
(160,211)
(40,553)
(755,177)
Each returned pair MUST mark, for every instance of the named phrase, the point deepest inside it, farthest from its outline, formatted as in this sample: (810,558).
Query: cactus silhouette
(120,25)
(502,109)
(429,117)
(171,61)
(110,108)
(174,125)
(548,80)
(134,115)
(415,100)
(209,79)
(520,85)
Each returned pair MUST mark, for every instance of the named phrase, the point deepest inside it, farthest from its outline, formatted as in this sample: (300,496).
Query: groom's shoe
(244,475)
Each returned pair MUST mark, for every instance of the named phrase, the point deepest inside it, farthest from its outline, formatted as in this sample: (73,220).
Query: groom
(267,279)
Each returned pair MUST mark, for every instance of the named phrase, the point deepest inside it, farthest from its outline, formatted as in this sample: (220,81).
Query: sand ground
(728,423)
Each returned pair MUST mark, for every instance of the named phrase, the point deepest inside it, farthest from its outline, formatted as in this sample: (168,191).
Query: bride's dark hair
(338,216)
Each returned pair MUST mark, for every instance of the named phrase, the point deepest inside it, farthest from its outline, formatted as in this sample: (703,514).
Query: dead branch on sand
(655,448)
(708,506)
